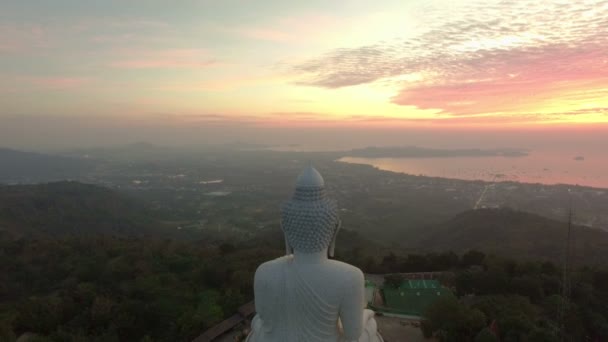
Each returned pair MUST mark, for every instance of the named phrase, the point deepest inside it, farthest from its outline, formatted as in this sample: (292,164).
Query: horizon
(76,74)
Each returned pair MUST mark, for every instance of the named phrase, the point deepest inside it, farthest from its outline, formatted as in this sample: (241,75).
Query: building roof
(420,284)
(413,297)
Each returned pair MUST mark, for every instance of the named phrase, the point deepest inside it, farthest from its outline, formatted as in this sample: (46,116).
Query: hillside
(515,234)
(27,167)
(71,207)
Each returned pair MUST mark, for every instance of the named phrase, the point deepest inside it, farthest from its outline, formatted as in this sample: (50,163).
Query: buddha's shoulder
(273,264)
(346,269)
(334,266)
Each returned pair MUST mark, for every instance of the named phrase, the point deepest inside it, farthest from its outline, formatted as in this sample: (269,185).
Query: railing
(243,314)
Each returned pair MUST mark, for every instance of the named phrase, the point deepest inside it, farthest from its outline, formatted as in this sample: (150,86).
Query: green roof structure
(370,290)
(420,284)
(413,297)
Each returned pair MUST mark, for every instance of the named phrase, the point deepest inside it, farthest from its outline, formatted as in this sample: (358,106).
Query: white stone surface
(310,177)
(309,219)
(305,296)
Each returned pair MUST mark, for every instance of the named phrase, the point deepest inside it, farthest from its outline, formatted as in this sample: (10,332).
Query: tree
(101,311)
(389,262)
(472,258)
(465,283)
(226,248)
(393,280)
(6,333)
(493,281)
(450,320)
(416,263)
(515,326)
(542,335)
(600,280)
(443,261)
(549,268)
(486,335)
(38,315)
(370,265)
(528,286)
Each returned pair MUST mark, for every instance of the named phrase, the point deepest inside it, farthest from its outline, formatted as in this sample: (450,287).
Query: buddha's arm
(263,294)
(351,309)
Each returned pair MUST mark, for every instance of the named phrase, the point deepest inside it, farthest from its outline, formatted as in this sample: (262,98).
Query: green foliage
(81,287)
(6,333)
(472,258)
(450,320)
(73,208)
(121,289)
(521,298)
(393,280)
(542,335)
(486,335)
(510,233)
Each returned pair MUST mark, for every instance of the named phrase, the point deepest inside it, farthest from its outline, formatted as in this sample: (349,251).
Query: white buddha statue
(304,296)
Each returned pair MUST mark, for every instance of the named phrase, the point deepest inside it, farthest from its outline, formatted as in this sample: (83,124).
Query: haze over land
(85,81)
(316,76)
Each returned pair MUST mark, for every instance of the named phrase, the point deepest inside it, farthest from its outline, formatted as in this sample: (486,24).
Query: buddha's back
(305,296)
(302,297)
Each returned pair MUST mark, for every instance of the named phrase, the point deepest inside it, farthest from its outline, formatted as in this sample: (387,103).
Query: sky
(191,71)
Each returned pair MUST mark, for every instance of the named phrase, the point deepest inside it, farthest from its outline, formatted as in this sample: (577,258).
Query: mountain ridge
(69,207)
(509,232)
(30,167)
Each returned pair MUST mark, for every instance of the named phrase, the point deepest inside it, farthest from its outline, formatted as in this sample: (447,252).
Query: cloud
(301,28)
(164,59)
(17,38)
(48,83)
(480,58)
(266,34)
(60,82)
(511,79)
(162,64)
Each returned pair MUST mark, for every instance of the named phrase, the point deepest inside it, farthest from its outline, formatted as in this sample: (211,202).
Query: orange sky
(349,63)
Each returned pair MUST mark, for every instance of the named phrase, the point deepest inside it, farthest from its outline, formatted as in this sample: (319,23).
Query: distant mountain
(28,167)
(515,234)
(124,153)
(420,152)
(71,208)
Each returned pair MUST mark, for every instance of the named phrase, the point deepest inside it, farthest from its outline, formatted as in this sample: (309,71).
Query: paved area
(394,329)
(229,337)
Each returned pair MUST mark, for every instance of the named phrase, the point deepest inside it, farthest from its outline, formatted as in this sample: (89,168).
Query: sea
(545,167)
(574,164)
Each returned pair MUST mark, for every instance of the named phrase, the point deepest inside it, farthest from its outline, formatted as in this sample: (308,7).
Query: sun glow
(402,63)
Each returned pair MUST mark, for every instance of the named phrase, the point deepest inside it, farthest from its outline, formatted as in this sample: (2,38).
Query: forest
(502,299)
(84,263)
(111,288)
(105,288)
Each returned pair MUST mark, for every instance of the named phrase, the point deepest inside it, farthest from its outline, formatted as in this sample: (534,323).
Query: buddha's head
(310,219)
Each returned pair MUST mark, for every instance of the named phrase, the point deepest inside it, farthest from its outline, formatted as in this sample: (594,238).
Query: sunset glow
(283,63)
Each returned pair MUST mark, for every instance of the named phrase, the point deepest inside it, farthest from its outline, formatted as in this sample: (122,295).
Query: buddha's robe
(309,299)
